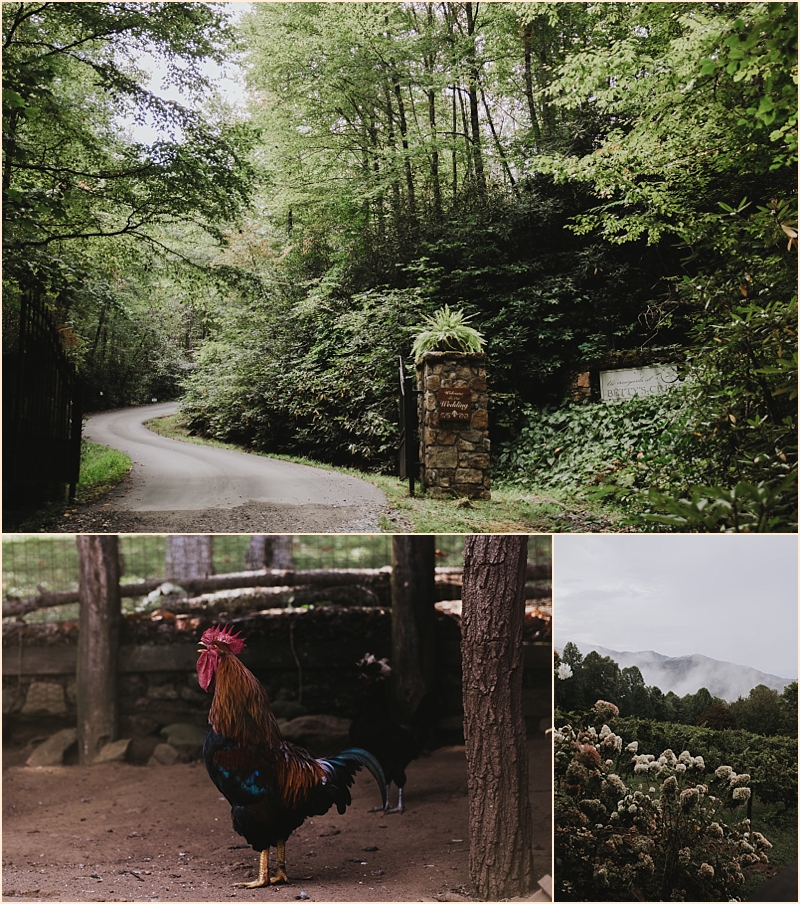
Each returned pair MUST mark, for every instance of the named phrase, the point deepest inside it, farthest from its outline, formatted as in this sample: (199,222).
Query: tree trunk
(527,38)
(455,149)
(472,92)
(269,551)
(390,140)
(188,556)
(430,61)
(498,146)
(500,819)
(98,642)
(413,618)
(401,120)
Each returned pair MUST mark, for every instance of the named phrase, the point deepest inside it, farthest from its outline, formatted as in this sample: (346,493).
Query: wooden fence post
(413,618)
(98,642)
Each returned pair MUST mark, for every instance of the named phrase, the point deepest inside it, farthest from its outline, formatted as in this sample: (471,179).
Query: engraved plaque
(455,403)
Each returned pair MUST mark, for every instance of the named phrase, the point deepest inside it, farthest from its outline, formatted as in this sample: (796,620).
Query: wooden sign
(455,403)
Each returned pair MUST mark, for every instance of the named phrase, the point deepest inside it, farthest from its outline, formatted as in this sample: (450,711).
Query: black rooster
(373,729)
(271,784)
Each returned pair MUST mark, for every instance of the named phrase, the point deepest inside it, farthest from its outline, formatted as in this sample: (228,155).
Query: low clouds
(732,598)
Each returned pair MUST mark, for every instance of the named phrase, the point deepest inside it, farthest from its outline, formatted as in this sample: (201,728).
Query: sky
(729,597)
(228,81)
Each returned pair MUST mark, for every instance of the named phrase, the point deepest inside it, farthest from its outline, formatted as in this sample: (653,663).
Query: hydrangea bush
(636,826)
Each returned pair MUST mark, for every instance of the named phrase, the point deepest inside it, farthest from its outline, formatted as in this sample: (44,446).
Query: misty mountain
(687,674)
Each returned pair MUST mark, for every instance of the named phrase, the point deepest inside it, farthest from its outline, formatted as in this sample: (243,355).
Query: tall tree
(94,217)
(500,816)
(189,556)
(269,551)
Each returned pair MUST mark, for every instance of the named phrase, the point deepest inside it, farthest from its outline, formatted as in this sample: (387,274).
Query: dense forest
(584,181)
(582,680)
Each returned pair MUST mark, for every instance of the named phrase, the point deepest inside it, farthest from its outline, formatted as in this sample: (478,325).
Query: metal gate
(41,406)
(408,449)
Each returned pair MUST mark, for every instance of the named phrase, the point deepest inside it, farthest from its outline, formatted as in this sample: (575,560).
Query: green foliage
(770,761)
(446,331)
(655,827)
(760,712)
(101,469)
(337,400)
(101,227)
(634,443)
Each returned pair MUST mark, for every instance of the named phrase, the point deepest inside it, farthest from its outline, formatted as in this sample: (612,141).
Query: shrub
(638,442)
(635,826)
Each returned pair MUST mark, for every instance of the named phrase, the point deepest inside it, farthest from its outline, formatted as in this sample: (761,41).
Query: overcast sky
(228,81)
(733,598)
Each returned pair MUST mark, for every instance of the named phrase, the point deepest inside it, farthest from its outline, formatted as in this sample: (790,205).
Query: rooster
(394,745)
(271,784)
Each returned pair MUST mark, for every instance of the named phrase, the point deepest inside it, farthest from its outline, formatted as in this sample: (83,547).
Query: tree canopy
(580,180)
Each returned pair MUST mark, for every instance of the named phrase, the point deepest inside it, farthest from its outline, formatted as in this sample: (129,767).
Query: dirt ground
(118,832)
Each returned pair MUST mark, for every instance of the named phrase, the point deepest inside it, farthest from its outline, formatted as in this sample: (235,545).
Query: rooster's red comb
(218,634)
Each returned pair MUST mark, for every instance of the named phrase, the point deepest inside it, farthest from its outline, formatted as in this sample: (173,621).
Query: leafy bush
(319,379)
(638,442)
(633,826)
(771,761)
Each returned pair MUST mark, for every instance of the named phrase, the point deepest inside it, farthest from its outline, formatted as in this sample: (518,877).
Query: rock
(51,752)
(45,697)
(321,735)
(12,700)
(141,749)
(137,725)
(113,752)
(288,709)
(182,734)
(163,755)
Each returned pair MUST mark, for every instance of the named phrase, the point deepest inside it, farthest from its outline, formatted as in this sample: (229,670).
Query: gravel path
(253,517)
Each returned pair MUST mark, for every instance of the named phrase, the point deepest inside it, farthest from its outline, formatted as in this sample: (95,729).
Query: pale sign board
(455,403)
(633,381)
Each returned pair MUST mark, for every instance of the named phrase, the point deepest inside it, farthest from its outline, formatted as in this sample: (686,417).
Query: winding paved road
(195,486)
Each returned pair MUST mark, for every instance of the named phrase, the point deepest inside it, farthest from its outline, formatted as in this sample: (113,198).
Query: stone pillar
(454,425)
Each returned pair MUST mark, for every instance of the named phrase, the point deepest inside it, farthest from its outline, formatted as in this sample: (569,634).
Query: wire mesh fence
(35,562)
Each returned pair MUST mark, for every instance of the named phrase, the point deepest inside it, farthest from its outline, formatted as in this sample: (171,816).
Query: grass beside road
(510,510)
(101,470)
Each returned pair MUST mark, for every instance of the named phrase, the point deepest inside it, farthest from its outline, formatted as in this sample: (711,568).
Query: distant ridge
(687,674)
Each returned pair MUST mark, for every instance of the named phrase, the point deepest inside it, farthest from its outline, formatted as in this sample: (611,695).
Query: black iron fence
(408,438)
(41,408)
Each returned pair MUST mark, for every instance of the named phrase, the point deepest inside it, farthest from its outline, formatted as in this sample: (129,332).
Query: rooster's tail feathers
(342,767)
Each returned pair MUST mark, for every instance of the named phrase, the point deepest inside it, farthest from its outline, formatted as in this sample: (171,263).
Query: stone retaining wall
(454,427)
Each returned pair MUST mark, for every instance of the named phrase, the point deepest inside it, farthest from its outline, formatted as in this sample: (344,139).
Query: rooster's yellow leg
(263,873)
(280,864)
